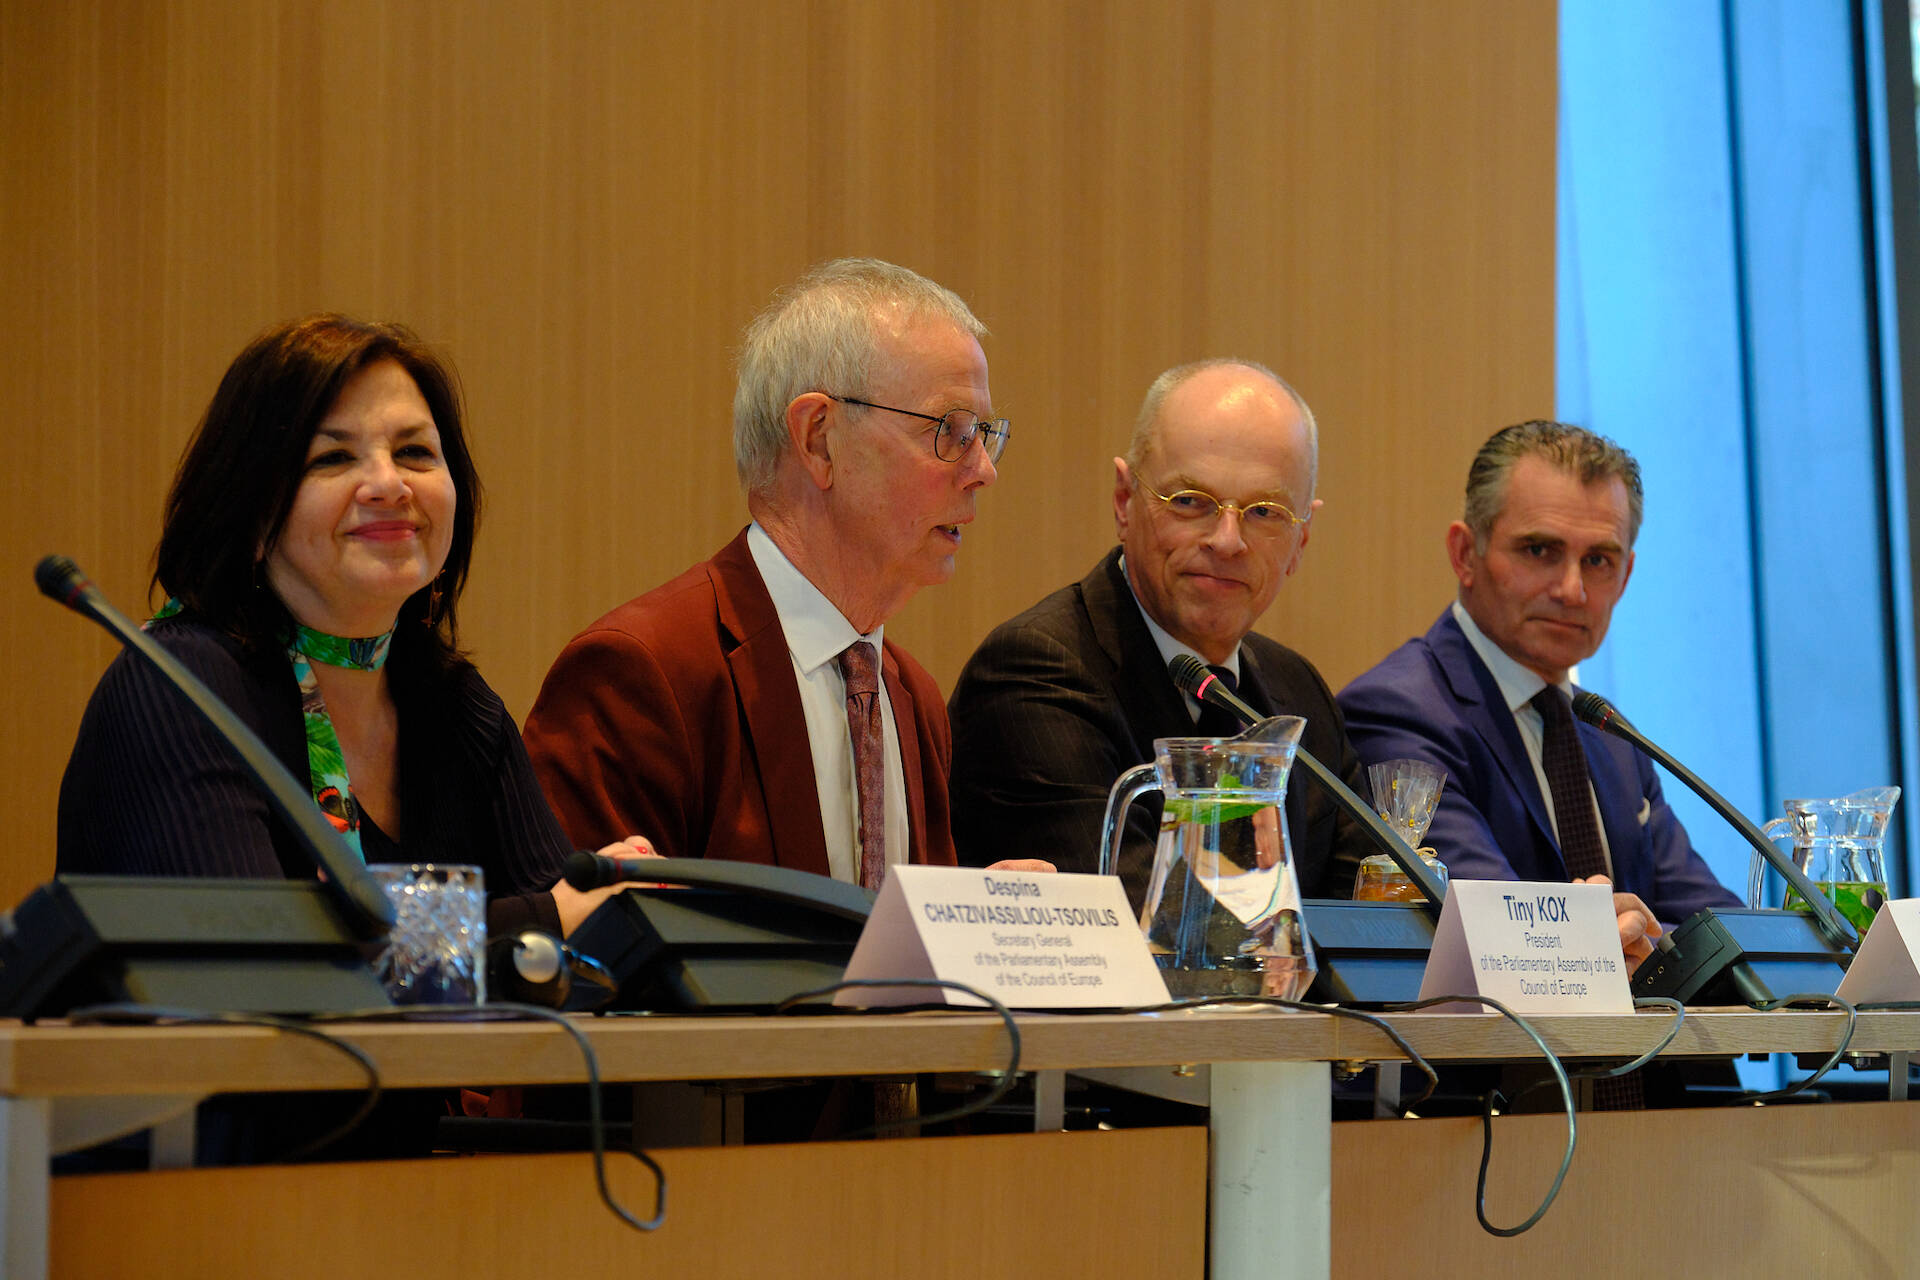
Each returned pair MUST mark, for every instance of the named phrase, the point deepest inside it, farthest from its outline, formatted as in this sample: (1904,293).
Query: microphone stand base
(235,946)
(1742,955)
(1369,953)
(713,949)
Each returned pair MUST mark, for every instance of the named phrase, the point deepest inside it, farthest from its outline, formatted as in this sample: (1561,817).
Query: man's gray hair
(820,333)
(1146,426)
(1587,455)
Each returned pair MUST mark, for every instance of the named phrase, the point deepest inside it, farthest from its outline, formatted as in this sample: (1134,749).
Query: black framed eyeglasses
(954,431)
(1266,516)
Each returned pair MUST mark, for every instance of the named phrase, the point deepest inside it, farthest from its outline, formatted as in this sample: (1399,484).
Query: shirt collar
(817,632)
(1169,647)
(1517,683)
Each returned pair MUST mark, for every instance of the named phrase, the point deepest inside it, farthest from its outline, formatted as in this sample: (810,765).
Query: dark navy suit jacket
(1434,699)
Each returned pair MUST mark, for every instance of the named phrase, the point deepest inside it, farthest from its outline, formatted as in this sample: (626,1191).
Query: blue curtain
(1720,313)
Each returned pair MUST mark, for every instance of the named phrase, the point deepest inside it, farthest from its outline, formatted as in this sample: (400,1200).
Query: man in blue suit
(1543,553)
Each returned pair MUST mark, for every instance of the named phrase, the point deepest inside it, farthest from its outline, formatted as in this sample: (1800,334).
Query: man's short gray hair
(820,333)
(1587,455)
(1146,426)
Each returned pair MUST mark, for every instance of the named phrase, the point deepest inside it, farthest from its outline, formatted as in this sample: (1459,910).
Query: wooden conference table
(1271,1188)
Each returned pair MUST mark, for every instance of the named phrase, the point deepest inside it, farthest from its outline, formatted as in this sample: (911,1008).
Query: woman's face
(373,517)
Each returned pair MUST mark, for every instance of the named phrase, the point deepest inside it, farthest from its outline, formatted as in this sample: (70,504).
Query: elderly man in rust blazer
(752,708)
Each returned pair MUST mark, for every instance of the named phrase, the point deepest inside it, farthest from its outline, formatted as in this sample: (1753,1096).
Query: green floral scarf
(326,762)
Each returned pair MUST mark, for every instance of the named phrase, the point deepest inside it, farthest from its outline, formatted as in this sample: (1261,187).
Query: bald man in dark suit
(1212,506)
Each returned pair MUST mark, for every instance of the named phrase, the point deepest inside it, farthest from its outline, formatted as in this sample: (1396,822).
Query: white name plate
(1535,947)
(1884,967)
(1031,940)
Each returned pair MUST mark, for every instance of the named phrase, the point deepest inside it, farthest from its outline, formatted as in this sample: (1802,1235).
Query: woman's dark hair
(237,478)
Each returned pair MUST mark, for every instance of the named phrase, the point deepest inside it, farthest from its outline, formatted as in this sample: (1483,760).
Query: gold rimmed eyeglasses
(1263,517)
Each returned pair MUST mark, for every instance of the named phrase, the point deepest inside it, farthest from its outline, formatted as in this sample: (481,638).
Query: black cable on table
(1798,1000)
(1001,1087)
(155,1015)
(131,1014)
(1333,1010)
(1608,1073)
(1486,1114)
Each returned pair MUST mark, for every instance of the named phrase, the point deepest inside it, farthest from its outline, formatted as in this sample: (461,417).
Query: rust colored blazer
(677,717)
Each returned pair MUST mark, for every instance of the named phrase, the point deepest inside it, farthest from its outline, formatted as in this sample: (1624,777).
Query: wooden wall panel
(1732,1191)
(1116,1205)
(584,202)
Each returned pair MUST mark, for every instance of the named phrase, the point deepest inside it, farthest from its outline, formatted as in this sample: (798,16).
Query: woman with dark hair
(316,540)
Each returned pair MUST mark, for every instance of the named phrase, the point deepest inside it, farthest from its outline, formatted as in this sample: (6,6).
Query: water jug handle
(1132,784)
(1757,868)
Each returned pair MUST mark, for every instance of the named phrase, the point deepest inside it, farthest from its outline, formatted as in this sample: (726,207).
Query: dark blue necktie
(1217,721)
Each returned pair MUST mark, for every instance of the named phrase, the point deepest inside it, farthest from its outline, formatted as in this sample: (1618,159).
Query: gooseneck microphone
(1602,715)
(366,909)
(1192,676)
(586,871)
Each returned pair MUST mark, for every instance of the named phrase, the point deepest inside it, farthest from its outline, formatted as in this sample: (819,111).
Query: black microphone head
(1594,709)
(584,871)
(60,578)
(1188,672)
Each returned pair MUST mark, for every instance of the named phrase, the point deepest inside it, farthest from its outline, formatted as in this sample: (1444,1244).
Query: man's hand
(1638,928)
(1023,864)
(1266,837)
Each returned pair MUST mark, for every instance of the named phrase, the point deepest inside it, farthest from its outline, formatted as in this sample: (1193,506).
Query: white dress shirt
(817,633)
(1518,685)
(1171,648)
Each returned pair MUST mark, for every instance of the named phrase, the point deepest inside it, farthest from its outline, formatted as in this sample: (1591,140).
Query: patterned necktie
(1217,721)
(1565,764)
(860,665)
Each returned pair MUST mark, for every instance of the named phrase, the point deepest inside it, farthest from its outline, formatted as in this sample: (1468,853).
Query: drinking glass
(437,952)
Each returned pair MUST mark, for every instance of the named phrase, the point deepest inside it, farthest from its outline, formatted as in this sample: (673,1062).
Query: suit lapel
(1148,697)
(906,726)
(1483,707)
(1617,791)
(769,704)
